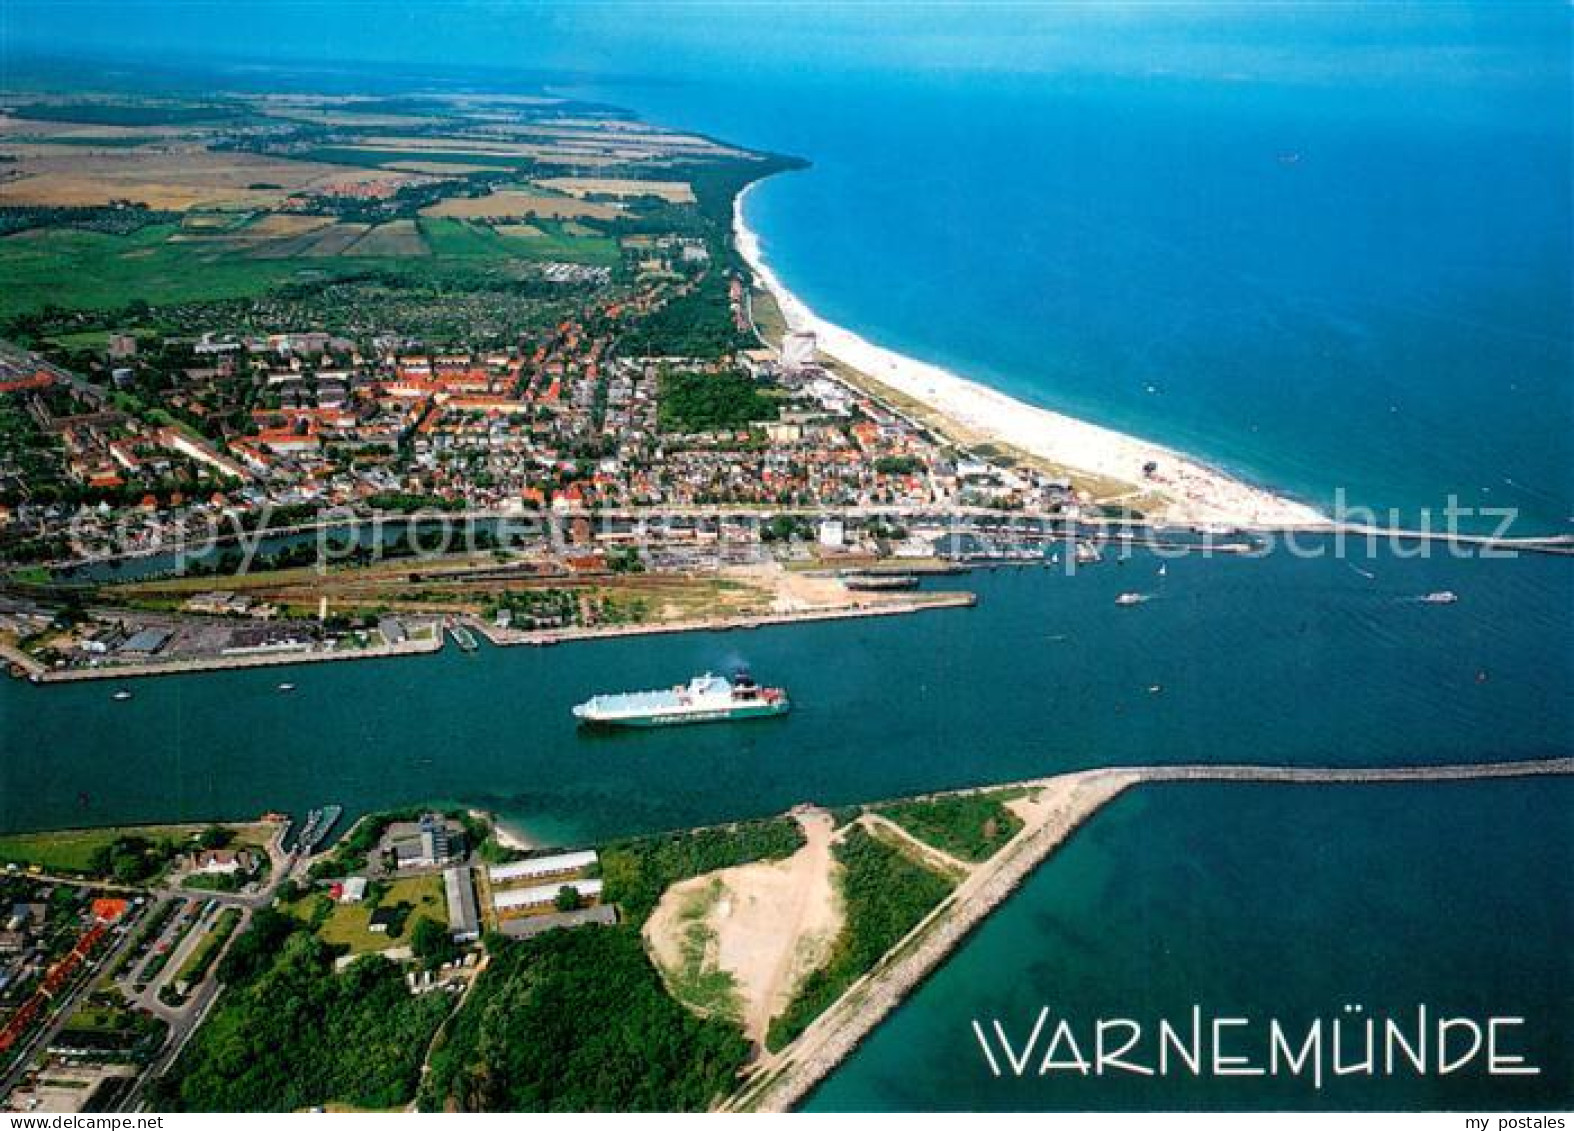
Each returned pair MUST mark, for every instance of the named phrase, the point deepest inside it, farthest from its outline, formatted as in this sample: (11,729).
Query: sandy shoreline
(1197,494)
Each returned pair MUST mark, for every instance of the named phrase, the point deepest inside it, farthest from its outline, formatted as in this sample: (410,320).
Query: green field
(465,239)
(72,849)
(83,270)
(377,158)
(90,270)
(348,924)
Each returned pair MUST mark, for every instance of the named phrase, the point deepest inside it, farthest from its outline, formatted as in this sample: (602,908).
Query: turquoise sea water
(1263,903)
(1274,901)
(1360,282)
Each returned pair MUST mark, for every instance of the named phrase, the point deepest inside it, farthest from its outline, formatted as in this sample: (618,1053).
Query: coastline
(1194,493)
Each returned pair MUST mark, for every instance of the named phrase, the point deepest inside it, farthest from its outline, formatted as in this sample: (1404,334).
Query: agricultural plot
(674,192)
(513,203)
(398,238)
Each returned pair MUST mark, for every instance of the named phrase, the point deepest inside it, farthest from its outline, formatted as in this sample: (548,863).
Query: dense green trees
(705,402)
(697,323)
(291,1033)
(578,1020)
(131,859)
(431,942)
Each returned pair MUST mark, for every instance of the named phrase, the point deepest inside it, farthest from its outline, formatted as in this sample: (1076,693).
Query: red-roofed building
(109,910)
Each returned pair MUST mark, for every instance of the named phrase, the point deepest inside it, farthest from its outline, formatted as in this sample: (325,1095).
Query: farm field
(515,203)
(674,192)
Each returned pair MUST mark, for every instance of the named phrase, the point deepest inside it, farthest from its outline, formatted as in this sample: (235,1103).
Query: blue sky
(1326,41)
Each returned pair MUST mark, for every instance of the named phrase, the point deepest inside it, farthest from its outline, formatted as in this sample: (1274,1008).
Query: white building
(542,895)
(539,867)
(798,351)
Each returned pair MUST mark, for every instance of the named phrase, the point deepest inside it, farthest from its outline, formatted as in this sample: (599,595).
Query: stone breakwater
(1063,803)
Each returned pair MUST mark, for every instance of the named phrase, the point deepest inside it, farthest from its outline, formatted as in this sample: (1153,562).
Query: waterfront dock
(508,637)
(414,647)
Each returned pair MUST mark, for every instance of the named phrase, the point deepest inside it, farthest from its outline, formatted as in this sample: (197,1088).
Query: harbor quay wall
(229,663)
(509,637)
(36,672)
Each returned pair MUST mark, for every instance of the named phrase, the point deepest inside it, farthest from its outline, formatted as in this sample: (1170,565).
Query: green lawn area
(348,924)
(71,850)
(461,239)
(377,158)
(556,243)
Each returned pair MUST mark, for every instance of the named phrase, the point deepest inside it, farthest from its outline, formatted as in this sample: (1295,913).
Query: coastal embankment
(1054,808)
(504,637)
(32,669)
(1193,492)
(414,647)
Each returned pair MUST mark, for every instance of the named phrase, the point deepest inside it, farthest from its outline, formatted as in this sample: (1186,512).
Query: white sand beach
(1197,494)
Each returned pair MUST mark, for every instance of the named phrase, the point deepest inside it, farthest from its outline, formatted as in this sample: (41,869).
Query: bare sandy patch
(760,927)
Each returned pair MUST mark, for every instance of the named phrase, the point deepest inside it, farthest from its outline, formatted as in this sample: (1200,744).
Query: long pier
(781,1081)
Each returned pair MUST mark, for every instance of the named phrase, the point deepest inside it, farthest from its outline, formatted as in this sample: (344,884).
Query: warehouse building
(542,895)
(464,921)
(541,868)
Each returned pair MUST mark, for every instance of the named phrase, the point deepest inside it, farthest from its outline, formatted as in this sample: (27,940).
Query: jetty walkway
(1061,804)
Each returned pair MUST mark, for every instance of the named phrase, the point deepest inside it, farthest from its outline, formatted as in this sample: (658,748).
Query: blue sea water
(1359,282)
(1355,281)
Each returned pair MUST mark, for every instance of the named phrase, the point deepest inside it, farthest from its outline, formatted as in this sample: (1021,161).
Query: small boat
(318,823)
(1130,599)
(1164,569)
(880,582)
(1441,597)
(121,696)
(462,637)
(286,687)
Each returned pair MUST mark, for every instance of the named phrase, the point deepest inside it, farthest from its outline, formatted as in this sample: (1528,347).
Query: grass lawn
(464,239)
(197,963)
(71,850)
(348,924)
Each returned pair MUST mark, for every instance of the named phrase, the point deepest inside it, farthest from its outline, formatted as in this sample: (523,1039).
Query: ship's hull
(734,713)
